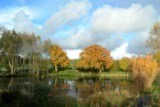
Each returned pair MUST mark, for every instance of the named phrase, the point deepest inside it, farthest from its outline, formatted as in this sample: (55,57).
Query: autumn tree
(154,39)
(123,63)
(115,66)
(95,57)
(156,56)
(58,57)
(144,68)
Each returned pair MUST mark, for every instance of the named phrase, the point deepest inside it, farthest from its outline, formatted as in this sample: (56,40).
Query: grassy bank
(14,75)
(74,73)
(85,74)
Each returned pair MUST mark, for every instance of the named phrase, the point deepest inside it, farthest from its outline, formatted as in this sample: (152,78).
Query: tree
(36,54)
(46,52)
(58,57)
(156,56)
(154,39)
(46,48)
(31,50)
(10,44)
(26,51)
(23,51)
(144,68)
(95,57)
(123,63)
(115,66)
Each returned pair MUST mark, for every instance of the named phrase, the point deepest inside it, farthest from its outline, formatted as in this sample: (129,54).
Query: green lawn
(76,73)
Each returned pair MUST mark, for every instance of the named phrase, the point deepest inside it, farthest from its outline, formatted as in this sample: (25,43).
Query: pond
(76,92)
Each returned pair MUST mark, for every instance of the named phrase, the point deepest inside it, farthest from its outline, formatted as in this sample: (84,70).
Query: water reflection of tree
(59,93)
(59,87)
(18,84)
(93,91)
(88,91)
(17,91)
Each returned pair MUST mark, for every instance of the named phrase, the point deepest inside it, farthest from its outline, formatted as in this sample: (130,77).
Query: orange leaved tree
(95,57)
(144,67)
(58,57)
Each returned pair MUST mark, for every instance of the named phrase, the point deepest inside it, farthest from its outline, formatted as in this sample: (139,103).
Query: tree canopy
(58,57)
(154,38)
(22,51)
(124,63)
(95,57)
(10,44)
(156,56)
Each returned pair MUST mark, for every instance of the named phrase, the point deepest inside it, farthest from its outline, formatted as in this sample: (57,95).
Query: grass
(14,75)
(85,74)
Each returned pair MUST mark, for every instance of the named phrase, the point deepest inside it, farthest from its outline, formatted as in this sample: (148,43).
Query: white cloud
(7,15)
(22,23)
(72,11)
(22,20)
(121,52)
(104,25)
(109,23)
(77,38)
(80,37)
(136,18)
(73,54)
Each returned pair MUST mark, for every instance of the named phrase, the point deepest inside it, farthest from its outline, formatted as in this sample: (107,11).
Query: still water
(76,92)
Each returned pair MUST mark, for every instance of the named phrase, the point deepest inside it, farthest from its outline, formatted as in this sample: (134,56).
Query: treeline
(22,52)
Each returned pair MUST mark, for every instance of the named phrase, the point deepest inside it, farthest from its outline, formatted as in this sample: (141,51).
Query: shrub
(145,69)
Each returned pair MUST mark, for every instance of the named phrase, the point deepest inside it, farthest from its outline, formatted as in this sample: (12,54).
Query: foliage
(154,39)
(10,44)
(3,63)
(46,48)
(95,57)
(115,66)
(58,57)
(156,56)
(21,52)
(124,63)
(144,69)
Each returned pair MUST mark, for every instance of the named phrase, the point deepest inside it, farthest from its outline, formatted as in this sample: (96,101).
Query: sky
(121,26)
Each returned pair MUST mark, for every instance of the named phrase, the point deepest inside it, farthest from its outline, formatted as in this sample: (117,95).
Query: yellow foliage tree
(156,56)
(144,67)
(58,57)
(124,63)
(95,57)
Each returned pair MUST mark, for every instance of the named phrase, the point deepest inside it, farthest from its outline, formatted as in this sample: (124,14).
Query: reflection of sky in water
(72,89)
(50,82)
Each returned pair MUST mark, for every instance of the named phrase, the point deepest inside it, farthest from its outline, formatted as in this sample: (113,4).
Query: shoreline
(73,74)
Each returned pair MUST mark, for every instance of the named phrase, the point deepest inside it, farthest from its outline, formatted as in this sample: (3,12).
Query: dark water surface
(76,92)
